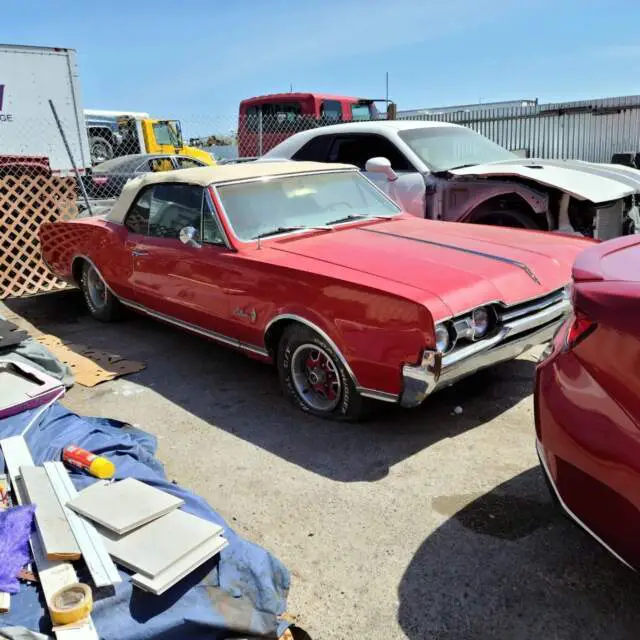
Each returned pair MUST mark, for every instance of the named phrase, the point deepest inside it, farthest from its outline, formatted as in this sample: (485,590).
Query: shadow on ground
(508,565)
(242,396)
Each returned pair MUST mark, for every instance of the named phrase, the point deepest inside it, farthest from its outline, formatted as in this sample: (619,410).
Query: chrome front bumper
(515,337)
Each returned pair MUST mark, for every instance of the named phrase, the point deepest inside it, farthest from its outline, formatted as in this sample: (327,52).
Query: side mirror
(381,165)
(188,236)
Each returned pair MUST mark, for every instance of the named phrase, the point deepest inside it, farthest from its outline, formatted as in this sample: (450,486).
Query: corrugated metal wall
(586,130)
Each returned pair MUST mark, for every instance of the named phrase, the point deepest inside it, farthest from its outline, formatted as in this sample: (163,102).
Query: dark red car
(587,399)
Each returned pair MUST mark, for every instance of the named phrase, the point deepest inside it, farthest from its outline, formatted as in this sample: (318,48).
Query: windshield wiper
(347,218)
(357,217)
(463,166)
(273,232)
(325,227)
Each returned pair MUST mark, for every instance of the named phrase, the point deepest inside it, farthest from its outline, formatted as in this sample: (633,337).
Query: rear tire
(314,379)
(507,218)
(102,304)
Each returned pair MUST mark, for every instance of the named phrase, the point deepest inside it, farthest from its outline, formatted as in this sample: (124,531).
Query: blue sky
(197,59)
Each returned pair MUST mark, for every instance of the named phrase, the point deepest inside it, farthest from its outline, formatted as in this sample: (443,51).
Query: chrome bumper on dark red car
(520,331)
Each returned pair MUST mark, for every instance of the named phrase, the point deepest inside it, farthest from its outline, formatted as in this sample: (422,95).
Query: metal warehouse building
(592,130)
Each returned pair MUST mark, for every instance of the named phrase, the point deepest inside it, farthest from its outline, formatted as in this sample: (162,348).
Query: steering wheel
(333,206)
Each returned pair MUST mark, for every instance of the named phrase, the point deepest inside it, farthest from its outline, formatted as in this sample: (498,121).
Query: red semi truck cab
(265,121)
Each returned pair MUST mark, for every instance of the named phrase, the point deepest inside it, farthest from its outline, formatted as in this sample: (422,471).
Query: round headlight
(480,321)
(442,338)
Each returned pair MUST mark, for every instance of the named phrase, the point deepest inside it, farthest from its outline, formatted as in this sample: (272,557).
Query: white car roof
(289,146)
(217,174)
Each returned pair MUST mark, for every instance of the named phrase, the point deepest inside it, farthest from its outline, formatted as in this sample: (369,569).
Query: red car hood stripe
(475,252)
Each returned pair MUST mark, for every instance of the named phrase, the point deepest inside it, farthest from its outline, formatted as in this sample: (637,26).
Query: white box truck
(29,78)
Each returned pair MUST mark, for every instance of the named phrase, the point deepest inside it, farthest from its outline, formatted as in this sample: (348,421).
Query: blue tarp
(242,592)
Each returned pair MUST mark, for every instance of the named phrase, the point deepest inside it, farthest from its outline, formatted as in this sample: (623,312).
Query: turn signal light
(581,326)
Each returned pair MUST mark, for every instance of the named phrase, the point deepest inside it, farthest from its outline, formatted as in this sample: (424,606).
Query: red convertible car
(587,400)
(312,267)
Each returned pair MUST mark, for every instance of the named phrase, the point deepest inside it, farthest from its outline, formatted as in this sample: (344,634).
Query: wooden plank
(180,569)
(123,506)
(57,538)
(156,546)
(53,574)
(103,571)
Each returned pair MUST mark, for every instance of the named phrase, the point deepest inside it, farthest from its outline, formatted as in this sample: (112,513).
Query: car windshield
(275,205)
(446,148)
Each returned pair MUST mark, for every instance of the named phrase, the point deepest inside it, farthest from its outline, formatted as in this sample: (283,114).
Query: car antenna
(259,247)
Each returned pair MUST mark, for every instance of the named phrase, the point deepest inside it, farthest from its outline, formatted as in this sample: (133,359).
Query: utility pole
(386,95)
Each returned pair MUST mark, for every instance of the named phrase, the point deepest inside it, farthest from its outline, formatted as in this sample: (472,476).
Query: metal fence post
(259,132)
(73,163)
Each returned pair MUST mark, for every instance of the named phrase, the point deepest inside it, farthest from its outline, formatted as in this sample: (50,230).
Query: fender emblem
(241,313)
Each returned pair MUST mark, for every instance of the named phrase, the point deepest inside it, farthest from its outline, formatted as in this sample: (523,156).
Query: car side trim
(381,396)
(46,264)
(213,335)
(573,516)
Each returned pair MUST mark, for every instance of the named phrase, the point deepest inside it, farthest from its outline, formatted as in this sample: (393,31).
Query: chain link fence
(109,151)
(56,170)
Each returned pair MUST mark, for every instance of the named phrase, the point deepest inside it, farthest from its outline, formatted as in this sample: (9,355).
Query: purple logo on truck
(4,117)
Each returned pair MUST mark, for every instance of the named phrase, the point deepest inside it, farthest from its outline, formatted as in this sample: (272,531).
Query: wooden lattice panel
(26,201)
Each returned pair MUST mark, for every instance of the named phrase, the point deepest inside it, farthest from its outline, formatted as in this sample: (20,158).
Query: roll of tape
(71,604)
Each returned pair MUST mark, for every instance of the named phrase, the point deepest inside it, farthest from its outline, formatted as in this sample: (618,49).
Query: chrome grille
(508,314)
(513,324)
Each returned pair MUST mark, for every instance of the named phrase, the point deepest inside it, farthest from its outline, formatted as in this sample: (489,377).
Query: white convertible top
(217,174)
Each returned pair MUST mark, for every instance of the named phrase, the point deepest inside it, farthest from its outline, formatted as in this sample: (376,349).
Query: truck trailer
(29,78)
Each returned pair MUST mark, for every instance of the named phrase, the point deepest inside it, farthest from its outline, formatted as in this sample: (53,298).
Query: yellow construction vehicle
(117,133)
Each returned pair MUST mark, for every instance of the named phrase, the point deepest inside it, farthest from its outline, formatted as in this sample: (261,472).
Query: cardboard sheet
(90,366)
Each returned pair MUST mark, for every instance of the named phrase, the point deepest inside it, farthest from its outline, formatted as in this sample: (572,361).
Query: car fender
(370,337)
(461,198)
(316,322)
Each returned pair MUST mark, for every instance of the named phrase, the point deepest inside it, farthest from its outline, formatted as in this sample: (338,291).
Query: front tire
(102,304)
(314,379)
(507,218)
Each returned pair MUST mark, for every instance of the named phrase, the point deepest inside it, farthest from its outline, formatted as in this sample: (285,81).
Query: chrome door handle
(137,252)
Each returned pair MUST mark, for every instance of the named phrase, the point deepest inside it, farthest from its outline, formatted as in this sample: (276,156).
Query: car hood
(459,265)
(583,180)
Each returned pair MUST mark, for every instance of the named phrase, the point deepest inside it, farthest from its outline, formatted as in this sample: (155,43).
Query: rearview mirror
(381,165)
(189,236)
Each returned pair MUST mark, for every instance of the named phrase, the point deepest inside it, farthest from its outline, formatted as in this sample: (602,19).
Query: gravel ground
(419,524)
